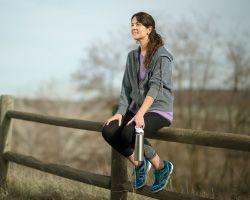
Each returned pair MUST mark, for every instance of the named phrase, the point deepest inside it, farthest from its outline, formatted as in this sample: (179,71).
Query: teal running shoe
(162,176)
(141,173)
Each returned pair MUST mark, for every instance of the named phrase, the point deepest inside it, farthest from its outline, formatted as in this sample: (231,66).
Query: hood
(163,52)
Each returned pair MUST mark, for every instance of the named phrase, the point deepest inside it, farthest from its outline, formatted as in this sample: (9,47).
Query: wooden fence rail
(118,181)
(187,136)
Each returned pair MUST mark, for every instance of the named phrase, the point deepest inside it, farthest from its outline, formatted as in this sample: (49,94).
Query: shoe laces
(157,176)
(140,170)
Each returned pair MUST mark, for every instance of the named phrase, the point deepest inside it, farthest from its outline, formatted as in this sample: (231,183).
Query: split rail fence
(118,182)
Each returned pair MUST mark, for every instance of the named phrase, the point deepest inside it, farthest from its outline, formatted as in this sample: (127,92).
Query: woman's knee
(108,131)
(127,134)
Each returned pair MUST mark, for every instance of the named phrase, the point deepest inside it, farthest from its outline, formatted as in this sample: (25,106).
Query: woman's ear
(149,29)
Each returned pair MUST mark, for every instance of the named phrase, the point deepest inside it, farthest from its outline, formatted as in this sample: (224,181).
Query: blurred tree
(195,66)
(238,111)
(239,58)
(102,68)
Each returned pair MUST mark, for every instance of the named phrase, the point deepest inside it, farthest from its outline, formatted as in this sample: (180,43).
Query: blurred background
(66,58)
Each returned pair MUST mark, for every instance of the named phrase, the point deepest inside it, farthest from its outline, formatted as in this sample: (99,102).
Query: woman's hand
(114,117)
(139,120)
(139,117)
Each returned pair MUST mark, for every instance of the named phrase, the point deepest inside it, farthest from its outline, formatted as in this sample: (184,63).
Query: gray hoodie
(157,82)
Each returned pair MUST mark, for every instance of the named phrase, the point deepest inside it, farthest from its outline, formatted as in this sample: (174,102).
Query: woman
(146,101)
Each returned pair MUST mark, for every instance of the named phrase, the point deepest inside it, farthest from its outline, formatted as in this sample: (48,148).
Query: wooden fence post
(119,174)
(6,103)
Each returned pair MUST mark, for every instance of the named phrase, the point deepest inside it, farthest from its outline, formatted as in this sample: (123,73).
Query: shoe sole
(149,166)
(171,170)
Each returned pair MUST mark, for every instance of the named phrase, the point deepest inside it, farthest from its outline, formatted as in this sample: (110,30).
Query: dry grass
(29,184)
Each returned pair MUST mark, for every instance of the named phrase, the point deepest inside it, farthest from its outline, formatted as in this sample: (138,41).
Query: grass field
(29,184)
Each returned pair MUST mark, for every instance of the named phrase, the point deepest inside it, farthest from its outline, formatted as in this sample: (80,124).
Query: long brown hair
(155,39)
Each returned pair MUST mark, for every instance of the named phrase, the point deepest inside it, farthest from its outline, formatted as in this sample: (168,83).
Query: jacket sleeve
(125,99)
(161,77)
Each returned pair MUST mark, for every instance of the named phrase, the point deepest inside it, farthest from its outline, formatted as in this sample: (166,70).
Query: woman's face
(138,30)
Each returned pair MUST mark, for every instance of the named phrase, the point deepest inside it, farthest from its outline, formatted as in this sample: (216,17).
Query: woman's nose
(133,28)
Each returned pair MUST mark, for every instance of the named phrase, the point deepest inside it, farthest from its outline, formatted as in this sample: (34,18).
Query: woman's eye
(137,24)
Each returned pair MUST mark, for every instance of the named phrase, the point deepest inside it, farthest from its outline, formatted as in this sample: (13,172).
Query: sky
(45,40)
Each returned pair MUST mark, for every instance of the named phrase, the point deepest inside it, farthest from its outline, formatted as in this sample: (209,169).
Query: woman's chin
(136,38)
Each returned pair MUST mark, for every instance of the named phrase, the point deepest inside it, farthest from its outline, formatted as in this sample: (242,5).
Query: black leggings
(122,138)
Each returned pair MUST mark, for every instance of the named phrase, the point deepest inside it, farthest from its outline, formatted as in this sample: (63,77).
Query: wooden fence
(118,182)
